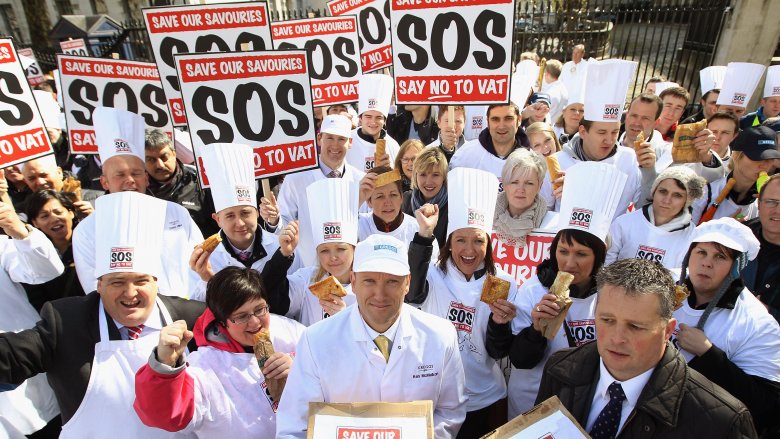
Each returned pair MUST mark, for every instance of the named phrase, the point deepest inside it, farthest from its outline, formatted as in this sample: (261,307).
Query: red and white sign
(34,72)
(23,136)
(202,28)
(368,433)
(521,262)
(260,99)
(334,55)
(74,47)
(374,24)
(97,82)
(452,51)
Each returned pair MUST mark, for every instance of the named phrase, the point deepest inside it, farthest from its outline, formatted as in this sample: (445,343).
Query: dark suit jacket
(62,344)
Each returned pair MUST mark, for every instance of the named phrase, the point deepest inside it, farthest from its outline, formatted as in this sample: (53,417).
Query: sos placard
(23,136)
(34,72)
(334,55)
(260,99)
(202,28)
(452,51)
(96,82)
(521,262)
(75,47)
(374,23)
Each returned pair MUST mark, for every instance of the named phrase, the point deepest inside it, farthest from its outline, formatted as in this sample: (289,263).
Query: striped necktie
(133,332)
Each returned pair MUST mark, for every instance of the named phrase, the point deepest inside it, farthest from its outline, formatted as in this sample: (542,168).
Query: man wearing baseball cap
(375,351)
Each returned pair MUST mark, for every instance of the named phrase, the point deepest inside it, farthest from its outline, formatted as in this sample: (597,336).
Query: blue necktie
(608,421)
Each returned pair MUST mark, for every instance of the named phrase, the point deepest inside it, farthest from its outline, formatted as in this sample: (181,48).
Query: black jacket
(398,125)
(440,231)
(677,401)
(62,344)
(762,274)
(184,189)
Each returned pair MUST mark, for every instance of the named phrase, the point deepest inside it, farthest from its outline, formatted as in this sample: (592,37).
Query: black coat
(677,401)
(398,125)
(62,344)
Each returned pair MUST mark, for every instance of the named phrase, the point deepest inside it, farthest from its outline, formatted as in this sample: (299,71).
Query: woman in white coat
(723,330)
(220,390)
(451,288)
(661,230)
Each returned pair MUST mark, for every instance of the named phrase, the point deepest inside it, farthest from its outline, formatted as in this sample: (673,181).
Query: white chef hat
(525,76)
(661,86)
(575,85)
(739,83)
(772,84)
(231,173)
(375,92)
(591,195)
(128,233)
(333,208)
(49,108)
(337,125)
(711,78)
(606,86)
(118,132)
(475,203)
(729,232)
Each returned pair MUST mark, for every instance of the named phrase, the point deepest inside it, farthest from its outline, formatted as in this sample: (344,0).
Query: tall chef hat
(711,78)
(128,233)
(476,202)
(118,132)
(772,84)
(606,87)
(661,86)
(333,207)
(591,195)
(525,76)
(375,92)
(739,83)
(575,84)
(230,168)
(50,110)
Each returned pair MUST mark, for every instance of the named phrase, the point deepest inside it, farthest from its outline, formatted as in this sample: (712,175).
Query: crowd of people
(367,272)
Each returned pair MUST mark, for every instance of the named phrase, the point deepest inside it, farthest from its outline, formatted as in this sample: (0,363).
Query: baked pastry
(72,185)
(640,139)
(388,177)
(554,168)
(560,288)
(380,150)
(324,288)
(493,289)
(681,293)
(263,349)
(683,150)
(211,243)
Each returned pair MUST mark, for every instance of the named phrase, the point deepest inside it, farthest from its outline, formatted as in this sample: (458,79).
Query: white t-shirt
(361,154)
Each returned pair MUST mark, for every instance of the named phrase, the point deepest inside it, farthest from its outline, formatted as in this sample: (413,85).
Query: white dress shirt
(632,389)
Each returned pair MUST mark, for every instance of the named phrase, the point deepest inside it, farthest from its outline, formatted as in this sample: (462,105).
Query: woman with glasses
(220,389)
(404,161)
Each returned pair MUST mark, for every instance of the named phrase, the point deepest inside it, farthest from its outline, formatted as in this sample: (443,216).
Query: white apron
(107,408)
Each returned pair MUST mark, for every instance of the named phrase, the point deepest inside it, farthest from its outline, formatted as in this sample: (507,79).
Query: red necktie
(133,332)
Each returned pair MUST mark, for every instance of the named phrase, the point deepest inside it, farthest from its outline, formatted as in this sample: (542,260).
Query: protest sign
(521,262)
(372,420)
(452,51)
(34,72)
(23,136)
(75,47)
(334,56)
(202,28)
(96,82)
(260,99)
(374,24)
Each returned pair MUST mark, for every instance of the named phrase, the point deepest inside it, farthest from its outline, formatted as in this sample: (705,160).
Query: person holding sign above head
(229,168)
(120,139)
(723,331)
(632,382)
(375,92)
(334,139)
(91,346)
(659,231)
(576,254)
(770,103)
(453,286)
(379,350)
(450,138)
(223,388)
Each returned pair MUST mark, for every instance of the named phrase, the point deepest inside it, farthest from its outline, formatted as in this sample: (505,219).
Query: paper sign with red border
(34,72)
(202,28)
(374,29)
(452,51)
(75,47)
(521,262)
(23,136)
(334,55)
(260,99)
(98,82)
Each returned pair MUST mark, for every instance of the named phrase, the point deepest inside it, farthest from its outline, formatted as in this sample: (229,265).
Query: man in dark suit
(631,382)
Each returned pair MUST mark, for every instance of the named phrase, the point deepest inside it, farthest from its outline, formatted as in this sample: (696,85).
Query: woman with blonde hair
(568,123)
(429,185)
(543,139)
(404,161)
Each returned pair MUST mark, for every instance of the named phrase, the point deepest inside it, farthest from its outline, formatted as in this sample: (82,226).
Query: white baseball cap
(730,233)
(382,254)
(337,125)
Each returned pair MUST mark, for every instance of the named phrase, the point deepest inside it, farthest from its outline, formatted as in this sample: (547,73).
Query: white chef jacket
(361,154)
(337,361)
(180,236)
(304,305)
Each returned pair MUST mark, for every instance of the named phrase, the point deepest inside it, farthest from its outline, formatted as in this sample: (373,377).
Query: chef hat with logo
(591,195)
(711,78)
(129,233)
(475,203)
(661,86)
(333,208)
(49,108)
(231,173)
(525,76)
(739,83)
(375,92)
(606,86)
(118,132)
(772,84)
